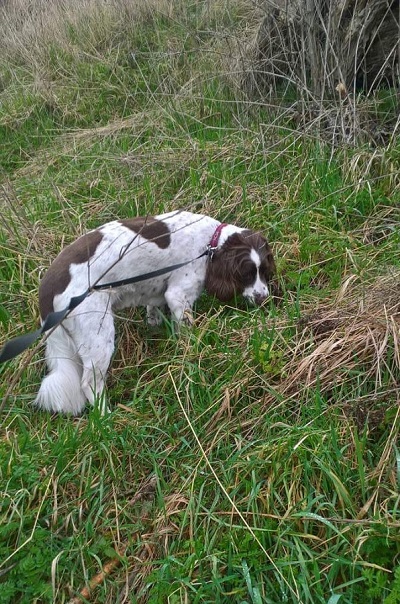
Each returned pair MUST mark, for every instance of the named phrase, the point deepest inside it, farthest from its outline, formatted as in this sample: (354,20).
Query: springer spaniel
(79,350)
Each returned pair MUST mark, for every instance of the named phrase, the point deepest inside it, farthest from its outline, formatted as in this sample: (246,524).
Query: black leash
(14,347)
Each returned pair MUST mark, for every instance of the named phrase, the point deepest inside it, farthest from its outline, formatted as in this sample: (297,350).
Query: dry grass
(28,28)
(373,166)
(357,331)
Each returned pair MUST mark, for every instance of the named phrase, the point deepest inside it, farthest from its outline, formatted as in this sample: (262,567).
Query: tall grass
(253,458)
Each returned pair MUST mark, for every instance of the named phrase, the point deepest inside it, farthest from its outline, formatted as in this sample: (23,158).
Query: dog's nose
(260,298)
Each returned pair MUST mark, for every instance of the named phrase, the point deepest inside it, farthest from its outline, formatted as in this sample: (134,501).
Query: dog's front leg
(180,305)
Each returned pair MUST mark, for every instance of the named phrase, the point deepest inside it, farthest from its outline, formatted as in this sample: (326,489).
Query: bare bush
(324,51)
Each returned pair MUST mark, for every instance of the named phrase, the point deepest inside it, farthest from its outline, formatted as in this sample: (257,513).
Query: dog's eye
(249,275)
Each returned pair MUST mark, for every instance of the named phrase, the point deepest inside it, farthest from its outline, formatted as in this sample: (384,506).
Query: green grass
(264,491)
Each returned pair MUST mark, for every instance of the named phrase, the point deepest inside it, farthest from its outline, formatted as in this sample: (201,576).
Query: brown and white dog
(79,350)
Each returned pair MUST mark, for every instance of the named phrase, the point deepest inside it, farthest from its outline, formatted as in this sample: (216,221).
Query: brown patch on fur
(58,276)
(230,270)
(150,228)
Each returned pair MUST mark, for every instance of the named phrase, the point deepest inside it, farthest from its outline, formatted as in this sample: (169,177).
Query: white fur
(79,351)
(259,288)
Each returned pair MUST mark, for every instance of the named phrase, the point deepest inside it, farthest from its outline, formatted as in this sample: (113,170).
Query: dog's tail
(61,391)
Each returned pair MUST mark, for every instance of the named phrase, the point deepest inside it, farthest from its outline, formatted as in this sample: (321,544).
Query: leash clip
(211,249)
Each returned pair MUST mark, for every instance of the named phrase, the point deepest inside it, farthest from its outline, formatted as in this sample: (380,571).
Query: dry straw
(356,333)
(28,28)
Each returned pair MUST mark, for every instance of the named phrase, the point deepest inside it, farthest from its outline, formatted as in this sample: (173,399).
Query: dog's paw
(187,318)
(154,321)
(154,316)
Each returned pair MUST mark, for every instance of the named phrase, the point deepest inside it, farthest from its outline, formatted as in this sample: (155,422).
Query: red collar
(215,238)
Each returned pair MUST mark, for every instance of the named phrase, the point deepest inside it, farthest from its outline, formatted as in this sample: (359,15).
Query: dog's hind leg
(94,338)
(60,390)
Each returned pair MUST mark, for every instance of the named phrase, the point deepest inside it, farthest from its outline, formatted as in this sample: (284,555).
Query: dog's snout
(259,299)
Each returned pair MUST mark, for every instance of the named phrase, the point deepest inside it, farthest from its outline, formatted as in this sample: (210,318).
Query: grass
(255,457)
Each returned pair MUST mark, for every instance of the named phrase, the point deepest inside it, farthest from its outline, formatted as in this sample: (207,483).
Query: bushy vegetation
(255,457)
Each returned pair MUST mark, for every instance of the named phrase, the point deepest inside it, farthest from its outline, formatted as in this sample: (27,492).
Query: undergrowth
(242,461)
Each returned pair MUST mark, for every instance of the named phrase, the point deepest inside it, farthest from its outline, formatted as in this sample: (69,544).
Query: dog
(223,259)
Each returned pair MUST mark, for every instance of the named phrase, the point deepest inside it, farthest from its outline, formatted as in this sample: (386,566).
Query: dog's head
(244,265)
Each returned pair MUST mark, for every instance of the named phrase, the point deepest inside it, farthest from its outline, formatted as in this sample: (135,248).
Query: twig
(86,592)
(146,491)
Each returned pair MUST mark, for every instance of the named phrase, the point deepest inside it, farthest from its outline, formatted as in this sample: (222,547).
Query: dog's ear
(220,276)
(219,282)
